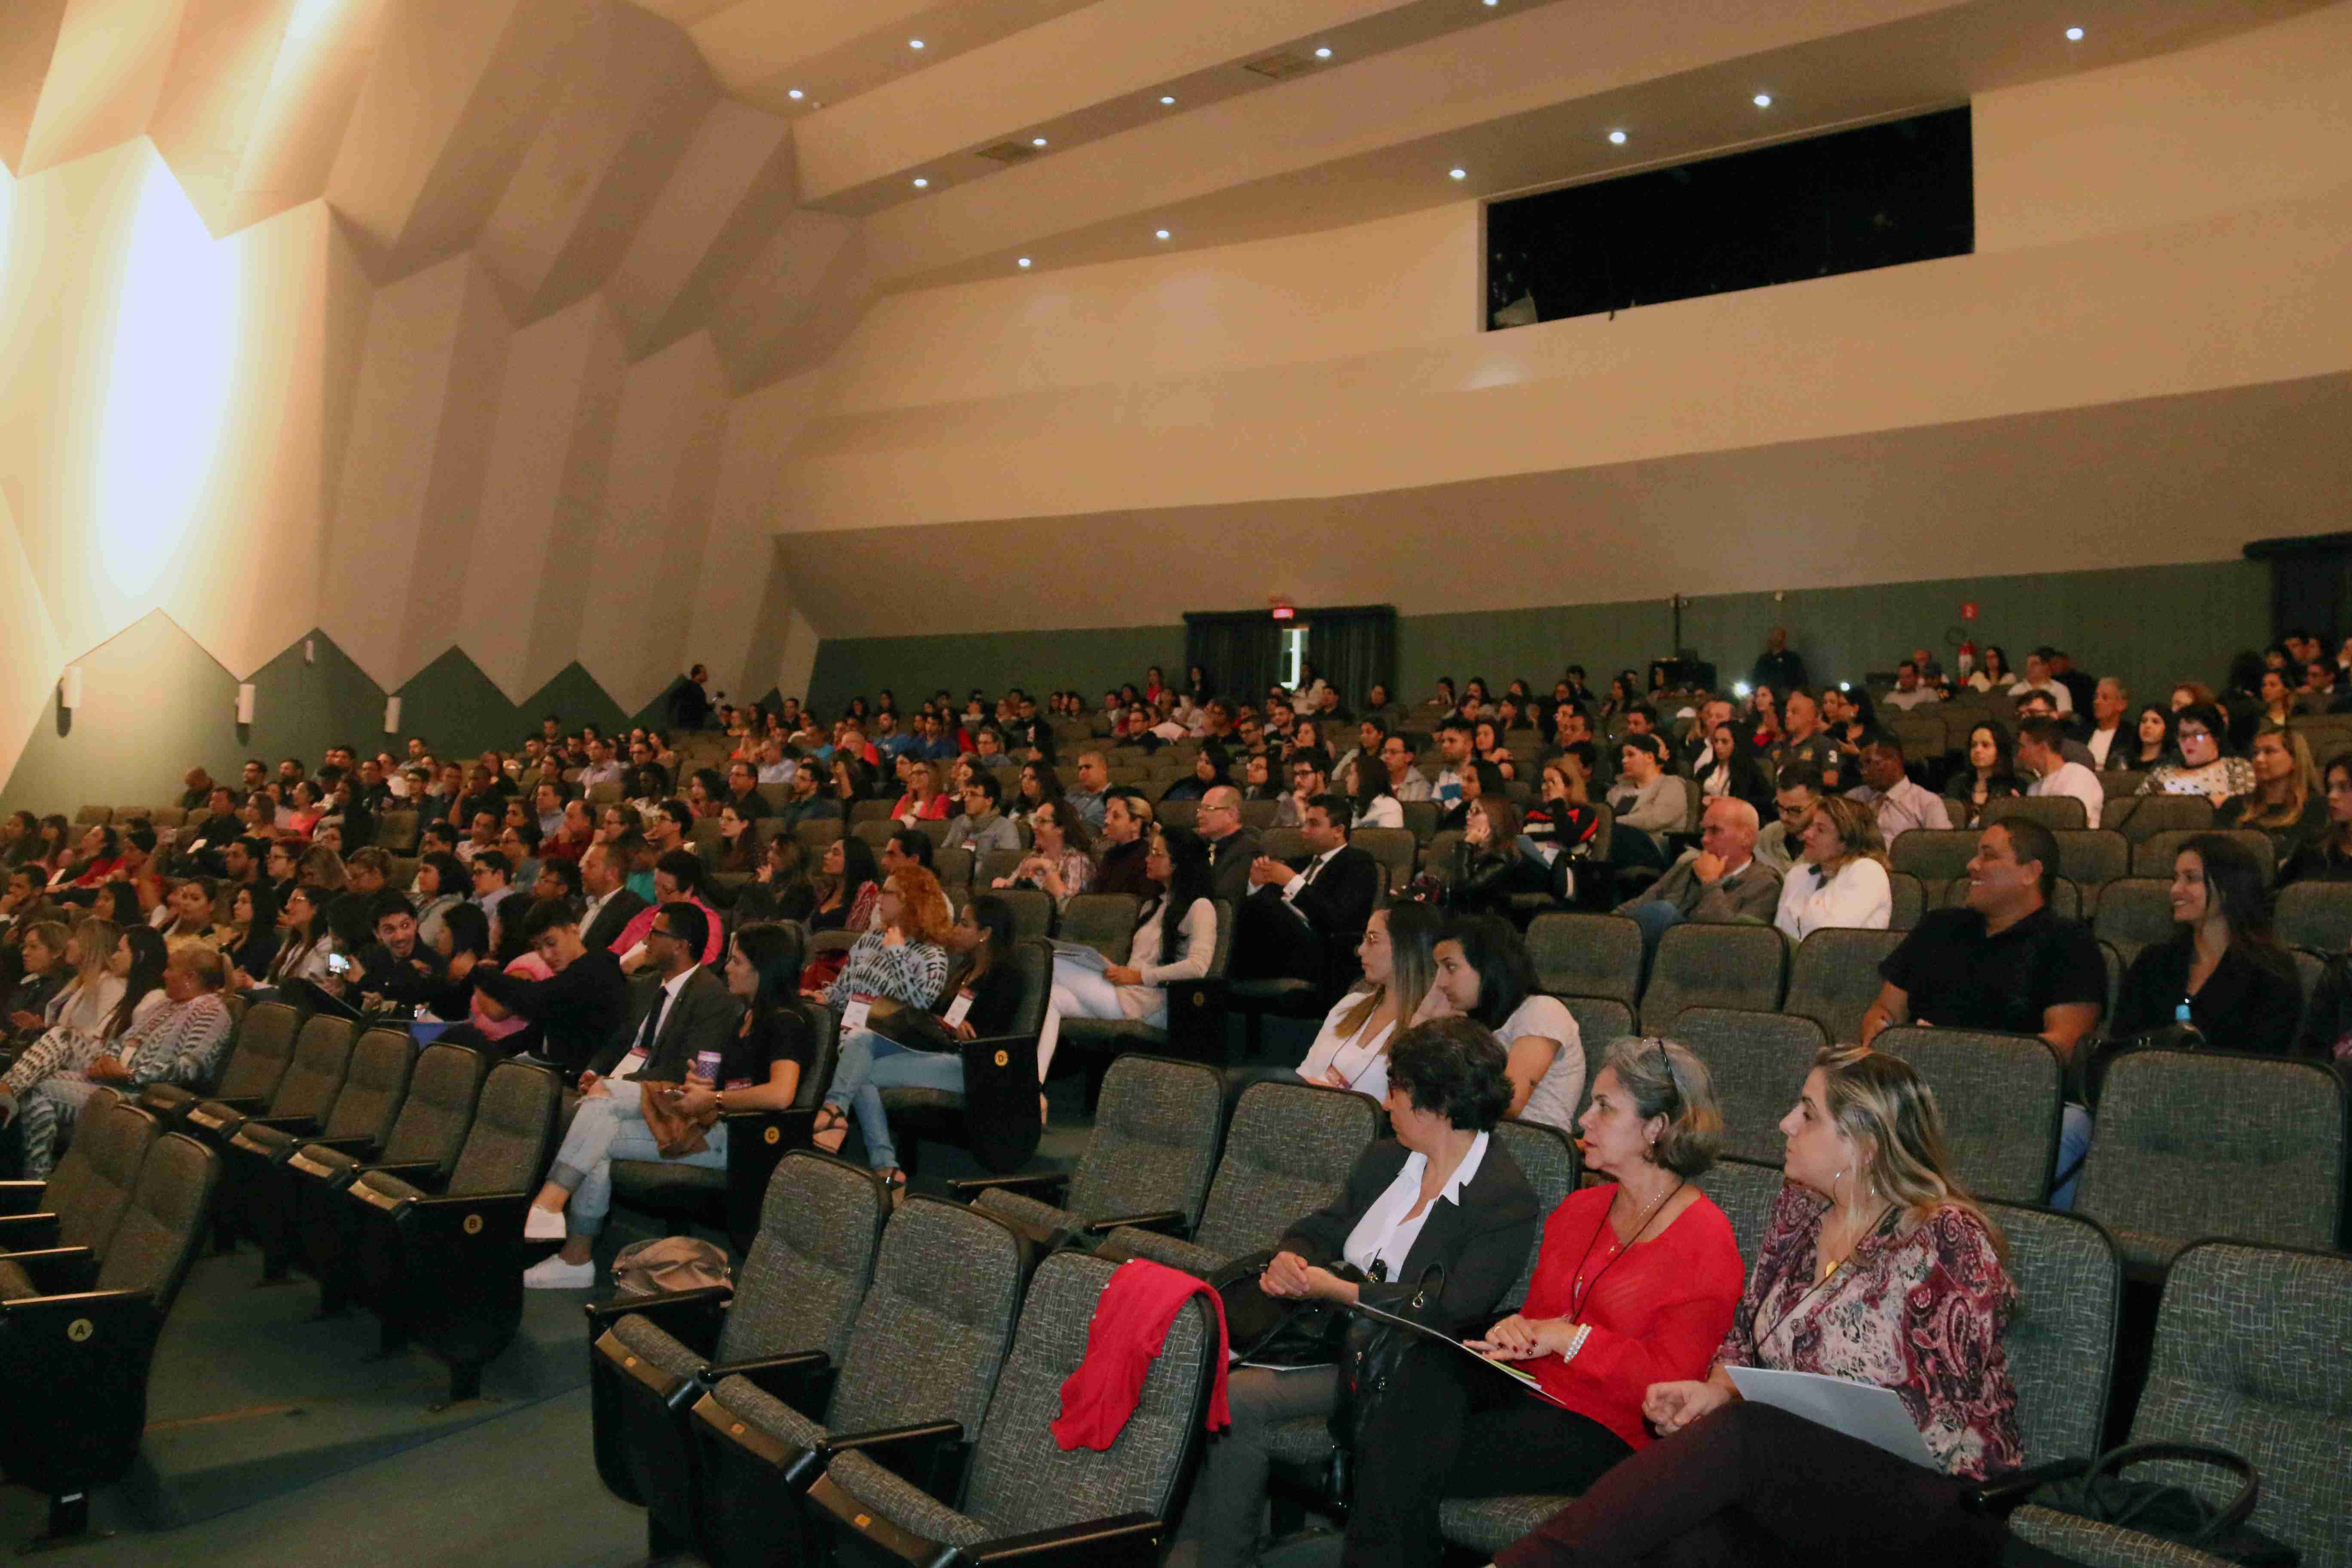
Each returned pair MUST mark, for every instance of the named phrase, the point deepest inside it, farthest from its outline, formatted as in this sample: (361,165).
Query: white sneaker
(555,1274)
(542,1225)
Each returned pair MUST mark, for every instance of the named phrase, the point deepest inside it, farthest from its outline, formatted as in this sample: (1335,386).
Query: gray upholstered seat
(91,1186)
(1933,855)
(2193,1144)
(1910,900)
(1111,1036)
(2316,915)
(1835,978)
(1586,955)
(1758,1062)
(257,1059)
(1152,1149)
(2055,812)
(323,1057)
(1395,849)
(431,1126)
(506,1145)
(1741,966)
(2154,855)
(365,1100)
(1032,910)
(2156,814)
(1999,1098)
(1287,1154)
(2134,912)
(2248,1356)
(1745,1190)
(1103,922)
(2093,858)
(1022,1482)
(2061,1340)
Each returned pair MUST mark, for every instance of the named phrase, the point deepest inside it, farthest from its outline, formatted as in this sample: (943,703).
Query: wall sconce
(69,688)
(245,703)
(392,715)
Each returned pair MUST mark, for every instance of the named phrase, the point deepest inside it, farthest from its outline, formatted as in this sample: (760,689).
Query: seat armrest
(1131,1538)
(1030,1181)
(417,1172)
(59,1270)
(85,1303)
(26,1232)
(299,1125)
(918,1441)
(21,1197)
(1167,1222)
(2002,1495)
(801,1379)
(358,1144)
(668,1304)
(478,1219)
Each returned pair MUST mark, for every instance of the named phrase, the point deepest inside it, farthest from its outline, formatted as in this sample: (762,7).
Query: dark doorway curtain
(2311,583)
(1237,649)
(1353,650)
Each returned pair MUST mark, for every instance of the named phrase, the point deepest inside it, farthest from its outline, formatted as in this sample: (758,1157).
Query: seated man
(982,827)
(1406,781)
(1648,803)
(603,767)
(395,969)
(1231,846)
(1805,742)
(1900,804)
(1797,789)
(743,790)
(2040,759)
(180,1042)
(1719,882)
(2005,963)
(584,1003)
(1910,691)
(1310,776)
(1304,918)
(2038,703)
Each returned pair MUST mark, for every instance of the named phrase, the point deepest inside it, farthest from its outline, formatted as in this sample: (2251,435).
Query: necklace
(1876,1221)
(1580,1291)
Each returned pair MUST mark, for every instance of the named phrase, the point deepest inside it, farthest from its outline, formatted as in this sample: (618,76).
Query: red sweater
(1656,1315)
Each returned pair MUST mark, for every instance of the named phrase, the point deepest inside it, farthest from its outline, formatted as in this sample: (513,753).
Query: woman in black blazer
(1440,1195)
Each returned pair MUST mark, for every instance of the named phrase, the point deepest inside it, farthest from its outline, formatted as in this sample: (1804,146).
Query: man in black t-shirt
(2005,963)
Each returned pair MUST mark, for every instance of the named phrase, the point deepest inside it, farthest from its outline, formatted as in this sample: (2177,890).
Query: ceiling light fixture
(2074,35)
(1324,53)
(1036,140)
(1024,264)
(1617,137)
(1492,2)
(1164,97)
(914,43)
(922,184)
(1160,233)
(1458,174)
(1763,100)
(795,95)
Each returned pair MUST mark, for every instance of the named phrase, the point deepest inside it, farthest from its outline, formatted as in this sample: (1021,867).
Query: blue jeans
(2073,1143)
(869,1063)
(606,1128)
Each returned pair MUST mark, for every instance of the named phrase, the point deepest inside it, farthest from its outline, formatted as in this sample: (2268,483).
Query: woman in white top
(95,989)
(1378,808)
(131,988)
(1840,878)
(1484,973)
(1176,939)
(1399,954)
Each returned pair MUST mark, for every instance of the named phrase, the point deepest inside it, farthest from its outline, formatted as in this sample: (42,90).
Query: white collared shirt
(634,1064)
(1291,888)
(1384,1233)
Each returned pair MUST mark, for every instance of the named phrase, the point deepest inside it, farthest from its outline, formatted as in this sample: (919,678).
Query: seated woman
(923,800)
(1484,974)
(1727,770)
(738,846)
(2201,735)
(1040,785)
(44,971)
(94,1017)
(304,944)
(1486,745)
(301,811)
(1491,865)
(895,1051)
(2150,746)
(704,793)
(2223,970)
(2288,804)
(1479,781)
(86,991)
(2326,856)
(1257,781)
(760,1068)
(1175,939)
(440,887)
(1561,825)
(779,890)
(1762,725)
(1057,861)
(252,937)
(1877,1268)
(464,944)
(1398,956)
(903,963)
(1990,775)
(192,904)
(1371,802)
(1209,772)
(1634,1285)
(848,886)
(1439,1195)
(1840,878)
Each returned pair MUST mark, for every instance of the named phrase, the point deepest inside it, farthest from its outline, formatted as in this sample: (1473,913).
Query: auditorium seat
(77,1333)
(994,864)
(2134,913)
(1282,844)
(924,1352)
(1024,1496)
(2093,858)
(788,1314)
(257,1193)
(1196,1010)
(953,868)
(2247,1357)
(812,836)
(2157,814)
(2055,811)
(1934,857)
(1744,1189)
(1758,1061)
(441,1264)
(1183,813)
(874,832)
(2156,853)
(1835,979)
(1147,1160)
(322,1057)
(1103,922)
(89,1189)
(1999,1098)
(1737,966)
(1395,849)
(875,810)
(1586,955)
(2200,1144)
(1419,818)
(2316,916)
(1910,900)
(994,1115)
(258,1055)
(2061,1337)
(1287,1154)
(1598,1022)
(1032,910)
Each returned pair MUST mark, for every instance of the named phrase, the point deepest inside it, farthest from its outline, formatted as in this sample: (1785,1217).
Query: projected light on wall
(167,386)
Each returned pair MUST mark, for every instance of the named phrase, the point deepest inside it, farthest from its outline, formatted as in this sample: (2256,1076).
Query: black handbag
(2169,1512)
(1370,1355)
(1273,1332)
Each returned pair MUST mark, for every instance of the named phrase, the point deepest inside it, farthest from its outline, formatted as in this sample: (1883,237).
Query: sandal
(896,1181)
(831,1139)
(828,1120)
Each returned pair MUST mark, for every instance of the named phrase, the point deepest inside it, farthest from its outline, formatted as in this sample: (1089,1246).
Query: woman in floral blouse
(1876,1268)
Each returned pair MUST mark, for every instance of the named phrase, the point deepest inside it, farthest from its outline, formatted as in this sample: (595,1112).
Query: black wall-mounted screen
(1878,197)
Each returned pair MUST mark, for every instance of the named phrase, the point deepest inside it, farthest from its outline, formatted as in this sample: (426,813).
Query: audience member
(848,886)
(923,800)
(1125,845)
(94,1016)
(2223,971)
(1719,882)
(1991,774)
(1646,804)
(1805,742)
(1910,691)
(1397,955)
(1056,861)
(2200,734)
(43,971)
(678,879)
(2051,774)
(1406,781)
(253,935)
(1175,939)
(1796,791)
(1310,776)
(1484,974)
(189,915)
(2326,857)
(2288,804)
(1303,918)
(1841,879)
(2109,741)
(398,969)
(1454,738)
(2151,744)
(2038,677)
(2037,704)
(982,827)
(1779,666)
(1724,770)
(1898,803)
(304,945)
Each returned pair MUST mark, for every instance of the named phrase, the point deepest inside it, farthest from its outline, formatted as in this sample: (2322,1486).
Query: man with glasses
(1310,776)
(982,827)
(1405,781)
(1232,846)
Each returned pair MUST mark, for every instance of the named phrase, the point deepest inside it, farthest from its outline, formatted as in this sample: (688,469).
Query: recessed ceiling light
(1763,100)
(1165,98)
(914,43)
(1618,137)
(795,95)
(1458,174)
(1160,233)
(1494,1)
(922,184)
(1324,53)
(2074,35)
(1024,264)
(1036,140)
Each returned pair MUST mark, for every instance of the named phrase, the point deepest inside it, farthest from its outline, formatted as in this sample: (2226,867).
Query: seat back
(1586,955)
(2198,1143)
(2157,814)
(2154,855)
(1740,967)
(1283,843)
(2134,913)
(1021,1480)
(1835,978)
(1394,847)
(1745,1190)
(1154,1145)
(91,1186)
(918,1353)
(1287,1154)
(1032,910)
(2248,1356)
(264,1050)
(810,1264)
(1933,855)
(1103,922)
(1183,813)
(2000,1096)
(155,1241)
(322,1056)
(514,1126)
(953,868)
(438,1107)
(994,864)
(374,1086)
(1549,1160)
(824,1054)
(1758,1062)
(2055,812)
(2316,915)
(2092,857)
(1910,896)
(2061,1340)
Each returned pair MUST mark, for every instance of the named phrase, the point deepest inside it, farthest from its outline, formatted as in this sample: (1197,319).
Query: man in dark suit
(610,905)
(1231,846)
(1304,918)
(690,1012)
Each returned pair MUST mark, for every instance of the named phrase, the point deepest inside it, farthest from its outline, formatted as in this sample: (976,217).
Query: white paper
(853,1017)
(1081,954)
(1876,1415)
(959,1007)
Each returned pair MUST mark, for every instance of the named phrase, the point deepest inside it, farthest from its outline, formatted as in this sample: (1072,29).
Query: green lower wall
(2152,625)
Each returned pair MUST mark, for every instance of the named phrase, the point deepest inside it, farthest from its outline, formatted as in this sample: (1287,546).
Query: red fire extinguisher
(1967,661)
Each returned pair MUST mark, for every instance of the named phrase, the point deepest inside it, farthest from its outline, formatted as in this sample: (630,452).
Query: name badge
(959,1007)
(853,1017)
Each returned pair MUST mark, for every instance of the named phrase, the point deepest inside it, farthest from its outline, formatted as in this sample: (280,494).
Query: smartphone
(338,964)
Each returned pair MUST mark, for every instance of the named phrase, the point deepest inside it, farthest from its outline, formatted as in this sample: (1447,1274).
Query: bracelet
(1583,1331)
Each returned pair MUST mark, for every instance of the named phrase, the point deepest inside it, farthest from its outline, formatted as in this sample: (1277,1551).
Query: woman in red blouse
(922,801)
(1877,1268)
(1633,1285)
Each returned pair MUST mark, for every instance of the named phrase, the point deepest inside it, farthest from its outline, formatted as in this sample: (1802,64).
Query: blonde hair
(1887,1108)
(2302,785)
(1571,781)
(97,938)
(1857,827)
(1413,966)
